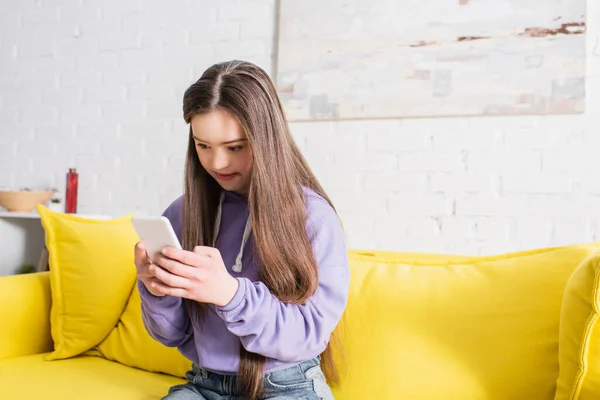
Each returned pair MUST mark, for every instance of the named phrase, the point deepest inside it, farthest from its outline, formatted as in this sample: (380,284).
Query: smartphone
(156,232)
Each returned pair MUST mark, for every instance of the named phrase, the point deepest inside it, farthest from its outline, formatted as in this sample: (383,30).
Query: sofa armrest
(25,315)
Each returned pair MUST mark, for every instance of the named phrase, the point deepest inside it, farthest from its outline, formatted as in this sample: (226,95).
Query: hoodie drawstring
(237,267)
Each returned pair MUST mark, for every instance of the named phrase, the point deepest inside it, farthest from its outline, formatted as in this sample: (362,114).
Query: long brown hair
(279,174)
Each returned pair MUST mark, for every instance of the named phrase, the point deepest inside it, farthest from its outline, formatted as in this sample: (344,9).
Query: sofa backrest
(429,327)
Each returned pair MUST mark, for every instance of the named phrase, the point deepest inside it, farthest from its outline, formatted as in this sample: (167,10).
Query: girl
(263,279)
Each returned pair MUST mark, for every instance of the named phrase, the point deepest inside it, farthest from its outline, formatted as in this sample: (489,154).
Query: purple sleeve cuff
(237,298)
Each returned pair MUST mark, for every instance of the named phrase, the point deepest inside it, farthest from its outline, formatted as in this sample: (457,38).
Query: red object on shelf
(71,192)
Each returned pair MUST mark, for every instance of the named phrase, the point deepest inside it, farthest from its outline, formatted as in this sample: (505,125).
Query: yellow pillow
(130,344)
(426,327)
(91,278)
(579,340)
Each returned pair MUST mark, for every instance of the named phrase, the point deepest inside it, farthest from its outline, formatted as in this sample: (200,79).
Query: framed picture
(397,59)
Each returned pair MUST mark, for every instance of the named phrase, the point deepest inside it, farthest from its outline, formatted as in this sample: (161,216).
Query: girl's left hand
(198,275)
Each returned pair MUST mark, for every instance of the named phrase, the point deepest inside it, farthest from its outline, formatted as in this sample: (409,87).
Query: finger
(164,289)
(143,275)
(140,252)
(185,257)
(139,249)
(168,278)
(174,266)
(206,251)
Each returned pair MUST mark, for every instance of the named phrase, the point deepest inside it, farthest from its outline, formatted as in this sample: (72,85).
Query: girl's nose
(221,160)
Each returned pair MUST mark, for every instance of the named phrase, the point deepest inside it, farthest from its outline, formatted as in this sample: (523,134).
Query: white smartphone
(156,232)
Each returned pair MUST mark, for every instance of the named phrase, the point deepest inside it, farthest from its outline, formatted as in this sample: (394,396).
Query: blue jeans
(304,381)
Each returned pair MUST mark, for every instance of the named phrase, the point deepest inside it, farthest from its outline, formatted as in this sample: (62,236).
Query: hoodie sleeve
(165,318)
(289,332)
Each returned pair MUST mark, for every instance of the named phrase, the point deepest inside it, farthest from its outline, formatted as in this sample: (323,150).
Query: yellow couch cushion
(426,327)
(130,344)
(579,341)
(90,378)
(25,314)
(91,277)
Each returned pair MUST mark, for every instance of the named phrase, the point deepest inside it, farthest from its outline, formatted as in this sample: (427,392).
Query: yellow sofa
(418,326)
(515,326)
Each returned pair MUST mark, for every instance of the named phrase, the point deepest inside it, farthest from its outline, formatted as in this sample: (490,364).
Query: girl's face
(223,149)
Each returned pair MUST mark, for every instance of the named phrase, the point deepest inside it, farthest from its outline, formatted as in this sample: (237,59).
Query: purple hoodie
(285,334)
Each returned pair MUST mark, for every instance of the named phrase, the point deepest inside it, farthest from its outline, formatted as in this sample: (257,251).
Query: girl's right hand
(144,272)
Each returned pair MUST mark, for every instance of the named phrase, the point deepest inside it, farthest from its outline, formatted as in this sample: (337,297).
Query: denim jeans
(304,381)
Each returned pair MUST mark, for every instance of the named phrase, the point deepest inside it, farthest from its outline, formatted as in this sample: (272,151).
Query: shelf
(12,214)
(35,215)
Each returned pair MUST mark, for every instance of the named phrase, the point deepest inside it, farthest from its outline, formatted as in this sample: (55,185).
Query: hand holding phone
(199,275)
(155,233)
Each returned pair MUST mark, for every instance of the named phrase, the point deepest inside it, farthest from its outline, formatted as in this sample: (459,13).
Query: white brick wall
(98,86)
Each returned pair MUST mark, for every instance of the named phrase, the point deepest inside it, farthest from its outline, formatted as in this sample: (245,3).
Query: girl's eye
(202,146)
(235,148)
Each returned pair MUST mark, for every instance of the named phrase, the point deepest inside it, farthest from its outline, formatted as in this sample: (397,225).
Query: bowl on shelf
(23,200)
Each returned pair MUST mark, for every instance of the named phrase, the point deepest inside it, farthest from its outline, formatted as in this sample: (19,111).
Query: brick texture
(98,86)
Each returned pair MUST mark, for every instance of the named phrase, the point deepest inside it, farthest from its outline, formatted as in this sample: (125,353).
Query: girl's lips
(226,177)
